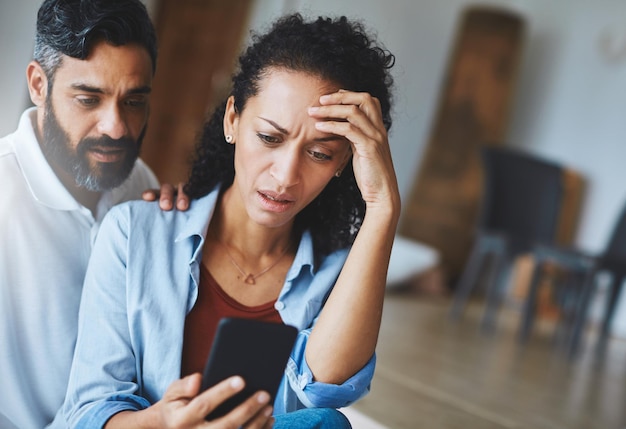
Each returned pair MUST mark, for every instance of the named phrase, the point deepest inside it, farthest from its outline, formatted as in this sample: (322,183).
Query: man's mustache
(90,143)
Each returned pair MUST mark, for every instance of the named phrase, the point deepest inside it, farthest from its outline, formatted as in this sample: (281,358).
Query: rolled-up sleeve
(299,390)
(102,411)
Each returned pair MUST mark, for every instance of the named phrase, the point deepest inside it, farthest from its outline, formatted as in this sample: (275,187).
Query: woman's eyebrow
(275,125)
(282,130)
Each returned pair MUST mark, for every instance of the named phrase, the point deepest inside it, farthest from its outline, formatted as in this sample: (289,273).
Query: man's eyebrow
(87,88)
(141,90)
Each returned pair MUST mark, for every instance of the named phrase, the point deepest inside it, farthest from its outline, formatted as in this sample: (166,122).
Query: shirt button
(279,305)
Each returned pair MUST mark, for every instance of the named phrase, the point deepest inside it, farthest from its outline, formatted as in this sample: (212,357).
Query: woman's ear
(37,83)
(231,119)
(346,158)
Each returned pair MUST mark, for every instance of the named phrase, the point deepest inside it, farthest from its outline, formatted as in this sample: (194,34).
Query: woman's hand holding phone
(183,407)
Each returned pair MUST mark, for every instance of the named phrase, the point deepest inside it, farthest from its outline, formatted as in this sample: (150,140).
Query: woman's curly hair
(336,50)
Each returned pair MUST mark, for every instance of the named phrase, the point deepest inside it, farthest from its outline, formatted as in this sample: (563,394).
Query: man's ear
(37,83)
(231,119)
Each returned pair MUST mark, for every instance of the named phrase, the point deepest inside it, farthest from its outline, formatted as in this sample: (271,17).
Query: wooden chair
(521,203)
(582,270)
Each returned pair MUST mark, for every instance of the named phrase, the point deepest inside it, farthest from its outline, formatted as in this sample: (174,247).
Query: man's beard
(100,177)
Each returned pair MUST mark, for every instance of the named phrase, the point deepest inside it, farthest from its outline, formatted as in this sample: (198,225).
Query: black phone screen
(257,351)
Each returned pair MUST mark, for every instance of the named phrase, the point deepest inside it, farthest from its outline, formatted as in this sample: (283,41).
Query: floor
(435,373)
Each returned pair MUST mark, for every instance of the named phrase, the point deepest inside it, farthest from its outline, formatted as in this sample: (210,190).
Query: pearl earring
(337,173)
(229,138)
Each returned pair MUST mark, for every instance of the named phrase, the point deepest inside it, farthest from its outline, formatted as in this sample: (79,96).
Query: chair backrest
(522,196)
(616,248)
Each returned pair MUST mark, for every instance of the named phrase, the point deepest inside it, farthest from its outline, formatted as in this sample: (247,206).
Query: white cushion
(408,259)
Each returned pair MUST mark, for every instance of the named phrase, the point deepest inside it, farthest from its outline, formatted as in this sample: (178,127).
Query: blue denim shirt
(141,282)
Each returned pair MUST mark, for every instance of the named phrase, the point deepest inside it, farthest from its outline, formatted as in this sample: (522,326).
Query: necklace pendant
(249,279)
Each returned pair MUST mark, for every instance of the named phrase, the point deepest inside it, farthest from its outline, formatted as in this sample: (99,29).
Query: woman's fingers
(357,135)
(185,388)
(355,116)
(358,118)
(363,101)
(254,413)
(183,405)
(211,398)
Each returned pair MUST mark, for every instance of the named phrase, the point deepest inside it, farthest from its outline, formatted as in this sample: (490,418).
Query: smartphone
(257,351)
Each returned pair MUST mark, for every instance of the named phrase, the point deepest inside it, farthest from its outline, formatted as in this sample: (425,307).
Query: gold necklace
(250,278)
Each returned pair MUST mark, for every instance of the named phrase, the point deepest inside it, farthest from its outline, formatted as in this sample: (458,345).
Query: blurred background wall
(570,102)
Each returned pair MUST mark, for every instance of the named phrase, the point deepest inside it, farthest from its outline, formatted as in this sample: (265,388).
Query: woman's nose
(286,169)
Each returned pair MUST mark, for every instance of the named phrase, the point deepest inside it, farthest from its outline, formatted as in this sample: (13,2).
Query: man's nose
(112,122)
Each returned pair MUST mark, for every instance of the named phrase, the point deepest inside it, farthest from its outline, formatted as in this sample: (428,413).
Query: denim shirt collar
(197,225)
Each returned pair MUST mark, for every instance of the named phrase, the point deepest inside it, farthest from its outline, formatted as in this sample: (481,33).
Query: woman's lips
(275,202)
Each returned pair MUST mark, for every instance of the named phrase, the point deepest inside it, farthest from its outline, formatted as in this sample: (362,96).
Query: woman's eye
(319,156)
(268,139)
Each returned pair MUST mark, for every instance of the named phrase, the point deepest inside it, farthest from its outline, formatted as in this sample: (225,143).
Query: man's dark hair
(70,27)
(336,50)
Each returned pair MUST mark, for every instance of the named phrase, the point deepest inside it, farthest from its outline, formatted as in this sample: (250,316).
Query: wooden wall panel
(574,186)
(474,110)
(198,44)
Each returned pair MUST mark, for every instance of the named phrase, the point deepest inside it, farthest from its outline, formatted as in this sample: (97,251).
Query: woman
(295,206)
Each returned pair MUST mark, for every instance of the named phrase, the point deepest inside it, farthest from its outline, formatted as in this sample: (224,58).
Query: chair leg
(569,305)
(467,281)
(611,305)
(495,289)
(582,306)
(530,306)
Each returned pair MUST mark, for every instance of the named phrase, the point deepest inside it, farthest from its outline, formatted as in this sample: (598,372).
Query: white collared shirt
(45,243)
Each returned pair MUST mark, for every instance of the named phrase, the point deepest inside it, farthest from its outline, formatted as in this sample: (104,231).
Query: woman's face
(282,162)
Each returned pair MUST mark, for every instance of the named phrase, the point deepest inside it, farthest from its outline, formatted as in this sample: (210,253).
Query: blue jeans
(312,418)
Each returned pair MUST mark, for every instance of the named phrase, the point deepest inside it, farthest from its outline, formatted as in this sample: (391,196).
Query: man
(73,156)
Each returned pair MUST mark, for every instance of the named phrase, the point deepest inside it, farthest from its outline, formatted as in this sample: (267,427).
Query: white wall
(17,37)
(570,104)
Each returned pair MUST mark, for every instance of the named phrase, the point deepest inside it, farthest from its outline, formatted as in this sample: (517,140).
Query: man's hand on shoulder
(167,195)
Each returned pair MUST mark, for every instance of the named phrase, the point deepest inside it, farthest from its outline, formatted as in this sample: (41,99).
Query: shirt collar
(199,217)
(42,181)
